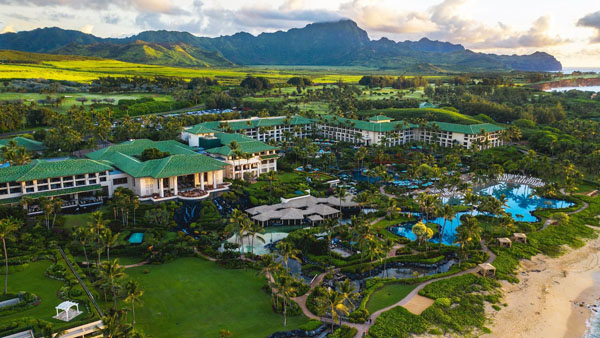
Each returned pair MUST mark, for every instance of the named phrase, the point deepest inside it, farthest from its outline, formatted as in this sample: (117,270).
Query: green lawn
(70,98)
(388,295)
(191,297)
(32,280)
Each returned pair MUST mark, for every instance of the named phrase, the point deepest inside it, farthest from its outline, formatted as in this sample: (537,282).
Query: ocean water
(583,89)
(570,70)
(593,323)
(593,326)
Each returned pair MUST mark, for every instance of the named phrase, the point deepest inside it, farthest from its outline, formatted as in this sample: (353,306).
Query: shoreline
(553,297)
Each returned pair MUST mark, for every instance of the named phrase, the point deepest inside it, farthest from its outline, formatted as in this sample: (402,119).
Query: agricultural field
(88,70)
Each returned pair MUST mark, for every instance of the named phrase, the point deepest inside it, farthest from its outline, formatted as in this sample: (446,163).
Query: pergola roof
(487,266)
(66,305)
(504,240)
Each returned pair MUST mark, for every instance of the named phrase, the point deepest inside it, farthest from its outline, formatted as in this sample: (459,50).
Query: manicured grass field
(388,295)
(441,115)
(71,98)
(32,280)
(191,297)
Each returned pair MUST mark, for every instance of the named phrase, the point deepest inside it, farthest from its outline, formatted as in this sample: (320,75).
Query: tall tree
(8,226)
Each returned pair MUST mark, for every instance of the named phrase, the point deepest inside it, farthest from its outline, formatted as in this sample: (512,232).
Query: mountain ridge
(338,43)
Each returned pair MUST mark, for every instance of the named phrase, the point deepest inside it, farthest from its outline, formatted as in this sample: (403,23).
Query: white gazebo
(64,311)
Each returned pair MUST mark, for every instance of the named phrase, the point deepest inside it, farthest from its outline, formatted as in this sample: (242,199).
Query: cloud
(7,29)
(155,6)
(111,19)
(87,29)
(446,21)
(591,20)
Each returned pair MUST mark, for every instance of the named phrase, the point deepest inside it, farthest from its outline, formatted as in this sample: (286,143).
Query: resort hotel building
(247,157)
(376,130)
(235,149)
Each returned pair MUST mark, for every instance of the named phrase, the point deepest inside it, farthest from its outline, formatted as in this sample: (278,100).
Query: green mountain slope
(339,43)
(175,54)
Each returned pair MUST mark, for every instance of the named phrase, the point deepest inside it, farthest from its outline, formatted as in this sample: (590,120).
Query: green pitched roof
(366,125)
(38,169)
(136,147)
(29,144)
(252,123)
(183,160)
(379,118)
(470,129)
(247,145)
(201,129)
(67,191)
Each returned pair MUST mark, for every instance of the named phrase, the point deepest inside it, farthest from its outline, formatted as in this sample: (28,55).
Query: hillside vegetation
(151,53)
(15,56)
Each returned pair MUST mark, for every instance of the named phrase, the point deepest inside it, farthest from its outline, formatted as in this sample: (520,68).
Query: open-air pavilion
(519,237)
(487,270)
(65,311)
(305,209)
(504,242)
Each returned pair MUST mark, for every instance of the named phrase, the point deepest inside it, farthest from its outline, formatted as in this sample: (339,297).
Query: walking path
(136,264)
(550,221)
(382,190)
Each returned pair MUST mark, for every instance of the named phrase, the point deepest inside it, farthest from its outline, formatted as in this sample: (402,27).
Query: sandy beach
(552,296)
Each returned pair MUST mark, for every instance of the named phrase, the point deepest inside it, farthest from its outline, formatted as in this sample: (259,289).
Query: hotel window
(67,184)
(120,181)
(43,187)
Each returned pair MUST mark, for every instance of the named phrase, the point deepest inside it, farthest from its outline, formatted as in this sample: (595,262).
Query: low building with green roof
(51,178)
(27,143)
(180,173)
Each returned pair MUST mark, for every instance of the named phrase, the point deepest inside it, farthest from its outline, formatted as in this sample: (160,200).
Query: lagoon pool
(521,202)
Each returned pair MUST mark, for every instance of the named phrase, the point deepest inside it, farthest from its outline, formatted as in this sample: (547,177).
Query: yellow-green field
(88,70)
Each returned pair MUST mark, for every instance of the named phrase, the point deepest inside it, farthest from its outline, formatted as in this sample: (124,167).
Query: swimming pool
(521,202)
(136,238)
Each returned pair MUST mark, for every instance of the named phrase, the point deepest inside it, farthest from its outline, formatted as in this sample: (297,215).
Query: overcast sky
(570,30)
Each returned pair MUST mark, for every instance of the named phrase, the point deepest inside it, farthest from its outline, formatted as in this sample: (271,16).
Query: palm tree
(329,226)
(133,292)
(109,240)
(135,204)
(448,213)
(111,273)
(96,226)
(287,250)
(334,302)
(115,326)
(57,204)
(253,232)
(8,226)
(471,199)
(271,177)
(82,234)
(239,224)
(47,207)
(340,193)
(286,290)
